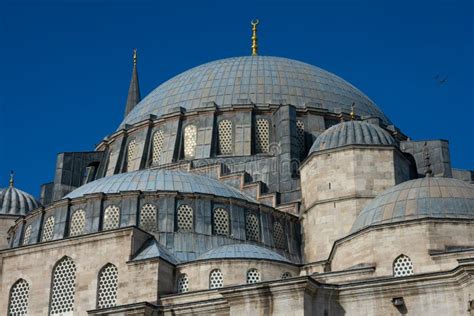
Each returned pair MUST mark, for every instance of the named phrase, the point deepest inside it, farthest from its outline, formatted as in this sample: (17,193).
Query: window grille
(48,229)
(216,279)
(148,217)
(278,235)
(262,138)
(253,276)
(252,227)
(19,294)
(111,217)
(27,235)
(63,288)
(300,137)
(78,221)
(131,154)
(190,133)
(402,266)
(221,221)
(185,218)
(183,283)
(107,287)
(225,137)
(286,275)
(157,148)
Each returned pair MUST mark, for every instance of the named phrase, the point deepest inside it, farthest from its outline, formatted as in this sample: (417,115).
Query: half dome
(420,198)
(14,201)
(242,251)
(352,133)
(261,80)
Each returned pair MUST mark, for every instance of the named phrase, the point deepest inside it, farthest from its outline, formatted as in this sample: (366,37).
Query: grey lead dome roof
(352,133)
(419,198)
(242,251)
(260,79)
(152,180)
(16,202)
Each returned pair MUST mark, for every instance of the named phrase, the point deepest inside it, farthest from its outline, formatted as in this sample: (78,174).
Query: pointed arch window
(402,266)
(19,295)
(190,135)
(262,136)
(224,131)
(111,217)
(107,286)
(63,287)
(148,218)
(78,221)
(48,229)
(157,147)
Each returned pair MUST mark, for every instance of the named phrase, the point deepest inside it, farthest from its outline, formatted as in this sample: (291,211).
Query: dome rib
(14,201)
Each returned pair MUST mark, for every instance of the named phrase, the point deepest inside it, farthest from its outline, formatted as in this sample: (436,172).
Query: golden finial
(254,37)
(12,180)
(134,56)
(353,111)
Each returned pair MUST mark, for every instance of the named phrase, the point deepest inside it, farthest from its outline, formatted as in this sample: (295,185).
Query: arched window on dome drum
(48,229)
(262,136)
(252,227)
(19,295)
(286,275)
(278,235)
(183,283)
(224,131)
(402,266)
(27,235)
(111,218)
(216,279)
(190,135)
(221,221)
(78,221)
(157,147)
(63,287)
(300,137)
(148,218)
(131,150)
(107,285)
(185,218)
(253,276)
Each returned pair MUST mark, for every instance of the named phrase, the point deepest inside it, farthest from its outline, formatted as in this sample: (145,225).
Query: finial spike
(134,56)
(12,178)
(254,24)
(353,111)
(426,156)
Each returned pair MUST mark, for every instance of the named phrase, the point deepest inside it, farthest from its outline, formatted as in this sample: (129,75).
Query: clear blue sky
(66,65)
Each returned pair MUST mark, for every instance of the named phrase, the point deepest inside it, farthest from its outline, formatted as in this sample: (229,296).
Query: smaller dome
(352,133)
(242,251)
(420,198)
(16,202)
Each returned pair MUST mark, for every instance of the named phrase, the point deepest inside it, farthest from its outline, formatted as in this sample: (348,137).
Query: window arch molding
(107,286)
(63,286)
(19,297)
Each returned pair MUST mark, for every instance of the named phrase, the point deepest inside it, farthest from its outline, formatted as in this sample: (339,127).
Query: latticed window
(262,137)
(19,294)
(183,283)
(111,217)
(148,217)
(131,149)
(252,227)
(216,279)
(253,276)
(185,218)
(300,137)
(107,287)
(190,133)
(286,275)
(63,288)
(221,221)
(27,235)
(48,229)
(157,148)
(278,235)
(78,221)
(402,266)
(224,131)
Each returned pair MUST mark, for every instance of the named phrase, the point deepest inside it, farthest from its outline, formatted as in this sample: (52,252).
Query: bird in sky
(440,79)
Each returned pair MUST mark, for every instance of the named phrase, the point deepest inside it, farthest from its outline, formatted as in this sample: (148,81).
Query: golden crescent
(255,22)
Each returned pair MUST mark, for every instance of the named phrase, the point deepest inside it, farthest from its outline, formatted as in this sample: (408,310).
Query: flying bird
(440,79)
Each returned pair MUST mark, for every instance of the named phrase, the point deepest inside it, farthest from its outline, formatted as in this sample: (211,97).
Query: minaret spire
(254,37)
(12,179)
(134,90)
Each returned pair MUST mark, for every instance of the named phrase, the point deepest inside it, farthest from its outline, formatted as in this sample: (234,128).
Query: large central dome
(261,80)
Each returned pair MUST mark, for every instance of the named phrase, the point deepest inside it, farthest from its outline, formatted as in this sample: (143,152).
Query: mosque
(251,185)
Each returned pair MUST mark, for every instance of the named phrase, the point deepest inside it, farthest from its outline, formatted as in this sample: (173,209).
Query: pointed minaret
(134,91)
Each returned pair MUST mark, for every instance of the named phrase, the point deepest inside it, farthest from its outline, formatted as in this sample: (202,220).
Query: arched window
(148,218)
(262,136)
(278,235)
(107,284)
(300,137)
(185,218)
(252,227)
(286,275)
(111,217)
(48,229)
(190,134)
(221,221)
(183,283)
(253,276)
(402,266)
(19,293)
(131,150)
(63,287)
(27,235)
(216,279)
(78,221)
(224,131)
(157,147)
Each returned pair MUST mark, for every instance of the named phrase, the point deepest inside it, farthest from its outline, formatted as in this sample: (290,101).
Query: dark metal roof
(153,249)
(243,251)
